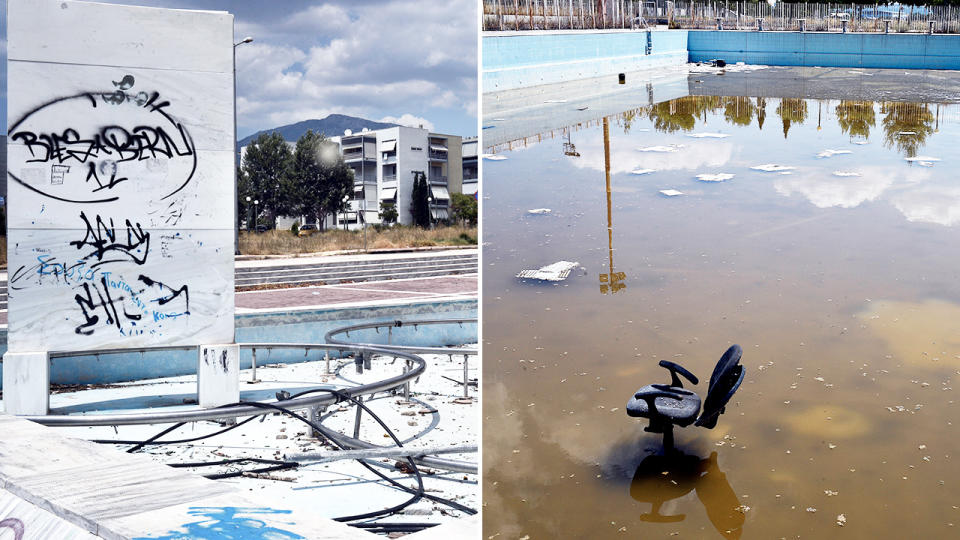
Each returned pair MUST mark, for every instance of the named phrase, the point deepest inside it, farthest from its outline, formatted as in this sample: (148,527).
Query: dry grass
(285,242)
(3,251)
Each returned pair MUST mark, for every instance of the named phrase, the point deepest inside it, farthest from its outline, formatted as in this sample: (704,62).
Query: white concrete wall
(120,153)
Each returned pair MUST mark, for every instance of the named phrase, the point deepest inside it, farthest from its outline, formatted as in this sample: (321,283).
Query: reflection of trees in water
(761,111)
(627,118)
(738,110)
(906,126)
(681,114)
(856,118)
(791,110)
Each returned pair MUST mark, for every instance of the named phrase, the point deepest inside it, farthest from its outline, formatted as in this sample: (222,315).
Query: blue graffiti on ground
(229,523)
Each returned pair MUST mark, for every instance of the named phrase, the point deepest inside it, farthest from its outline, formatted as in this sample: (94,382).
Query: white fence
(612,14)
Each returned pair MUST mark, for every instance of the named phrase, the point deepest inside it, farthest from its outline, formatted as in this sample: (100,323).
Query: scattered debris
(922,158)
(557,271)
(539,211)
(811,509)
(718,177)
(772,167)
(555,101)
(830,153)
(841,520)
(661,148)
(642,171)
(846,173)
(670,192)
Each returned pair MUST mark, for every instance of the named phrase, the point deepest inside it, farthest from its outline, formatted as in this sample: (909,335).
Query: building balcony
(388,160)
(437,156)
(438,180)
(389,178)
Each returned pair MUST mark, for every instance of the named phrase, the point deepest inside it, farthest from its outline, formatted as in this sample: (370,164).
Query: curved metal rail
(390,325)
(415,363)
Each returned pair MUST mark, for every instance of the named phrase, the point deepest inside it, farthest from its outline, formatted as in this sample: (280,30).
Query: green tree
(265,177)
(856,118)
(419,205)
(319,176)
(906,126)
(388,212)
(464,208)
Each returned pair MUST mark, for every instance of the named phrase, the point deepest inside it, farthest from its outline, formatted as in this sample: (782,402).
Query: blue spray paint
(228,523)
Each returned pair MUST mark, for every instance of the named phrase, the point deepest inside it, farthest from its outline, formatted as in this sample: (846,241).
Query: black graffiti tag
(103,239)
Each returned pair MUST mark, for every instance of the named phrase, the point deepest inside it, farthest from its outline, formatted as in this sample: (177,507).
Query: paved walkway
(394,291)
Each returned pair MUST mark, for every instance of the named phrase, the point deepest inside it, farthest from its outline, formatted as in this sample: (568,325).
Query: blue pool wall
(306,326)
(827,49)
(525,59)
(518,60)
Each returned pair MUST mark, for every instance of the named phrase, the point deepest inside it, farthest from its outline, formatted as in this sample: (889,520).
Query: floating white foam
(861,143)
(709,135)
(642,171)
(907,133)
(670,148)
(830,153)
(718,177)
(772,167)
(557,271)
(494,157)
(922,158)
(785,172)
(555,101)
(670,192)
(925,163)
(846,173)
(539,211)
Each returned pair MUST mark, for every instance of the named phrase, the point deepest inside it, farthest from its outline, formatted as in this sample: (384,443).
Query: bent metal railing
(331,338)
(415,366)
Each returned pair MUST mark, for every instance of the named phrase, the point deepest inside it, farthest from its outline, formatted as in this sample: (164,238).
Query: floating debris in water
(557,271)
(772,167)
(922,158)
(669,148)
(860,143)
(718,177)
(539,211)
(811,509)
(670,192)
(743,509)
(555,101)
(846,173)
(830,493)
(925,163)
(709,135)
(582,108)
(642,171)
(907,133)
(841,520)
(493,157)
(830,153)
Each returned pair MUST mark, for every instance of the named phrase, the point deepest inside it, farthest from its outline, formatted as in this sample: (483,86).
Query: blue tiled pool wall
(524,60)
(531,59)
(868,50)
(284,327)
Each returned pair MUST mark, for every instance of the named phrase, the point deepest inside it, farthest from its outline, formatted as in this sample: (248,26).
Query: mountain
(331,126)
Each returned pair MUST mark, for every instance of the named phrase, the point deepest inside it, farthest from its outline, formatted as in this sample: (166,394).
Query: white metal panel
(65,31)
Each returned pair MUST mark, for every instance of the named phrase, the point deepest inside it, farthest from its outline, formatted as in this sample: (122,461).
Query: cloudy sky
(404,61)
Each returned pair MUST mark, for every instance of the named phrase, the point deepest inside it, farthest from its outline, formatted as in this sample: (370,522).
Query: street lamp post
(346,202)
(256,214)
(249,214)
(236,199)
(430,211)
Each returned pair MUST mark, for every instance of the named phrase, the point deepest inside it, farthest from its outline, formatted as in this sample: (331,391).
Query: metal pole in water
(406,385)
(356,419)
(326,357)
(253,378)
(466,376)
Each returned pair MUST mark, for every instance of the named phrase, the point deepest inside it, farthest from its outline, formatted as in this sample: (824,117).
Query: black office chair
(667,405)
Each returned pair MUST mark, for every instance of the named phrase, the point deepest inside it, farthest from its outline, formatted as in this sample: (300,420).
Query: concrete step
(386,263)
(356,275)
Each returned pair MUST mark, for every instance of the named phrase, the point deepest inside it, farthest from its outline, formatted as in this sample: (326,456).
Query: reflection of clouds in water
(940,205)
(625,158)
(825,190)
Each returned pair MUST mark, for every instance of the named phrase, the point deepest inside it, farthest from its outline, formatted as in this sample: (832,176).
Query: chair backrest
(724,382)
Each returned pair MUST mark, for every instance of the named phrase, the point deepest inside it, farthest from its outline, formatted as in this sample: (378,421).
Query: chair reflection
(662,478)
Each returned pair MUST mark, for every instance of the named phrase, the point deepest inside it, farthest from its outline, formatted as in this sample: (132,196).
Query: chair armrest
(677,368)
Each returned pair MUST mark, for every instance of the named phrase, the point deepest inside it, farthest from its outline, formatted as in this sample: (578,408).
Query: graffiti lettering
(124,310)
(104,239)
(14,525)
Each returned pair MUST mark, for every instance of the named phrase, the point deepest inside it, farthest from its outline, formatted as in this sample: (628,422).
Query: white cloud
(409,120)
(940,205)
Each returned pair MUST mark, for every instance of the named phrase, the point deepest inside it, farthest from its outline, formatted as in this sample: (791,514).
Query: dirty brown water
(844,292)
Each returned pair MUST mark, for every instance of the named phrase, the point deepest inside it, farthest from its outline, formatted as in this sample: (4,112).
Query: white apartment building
(385,162)
(471,176)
